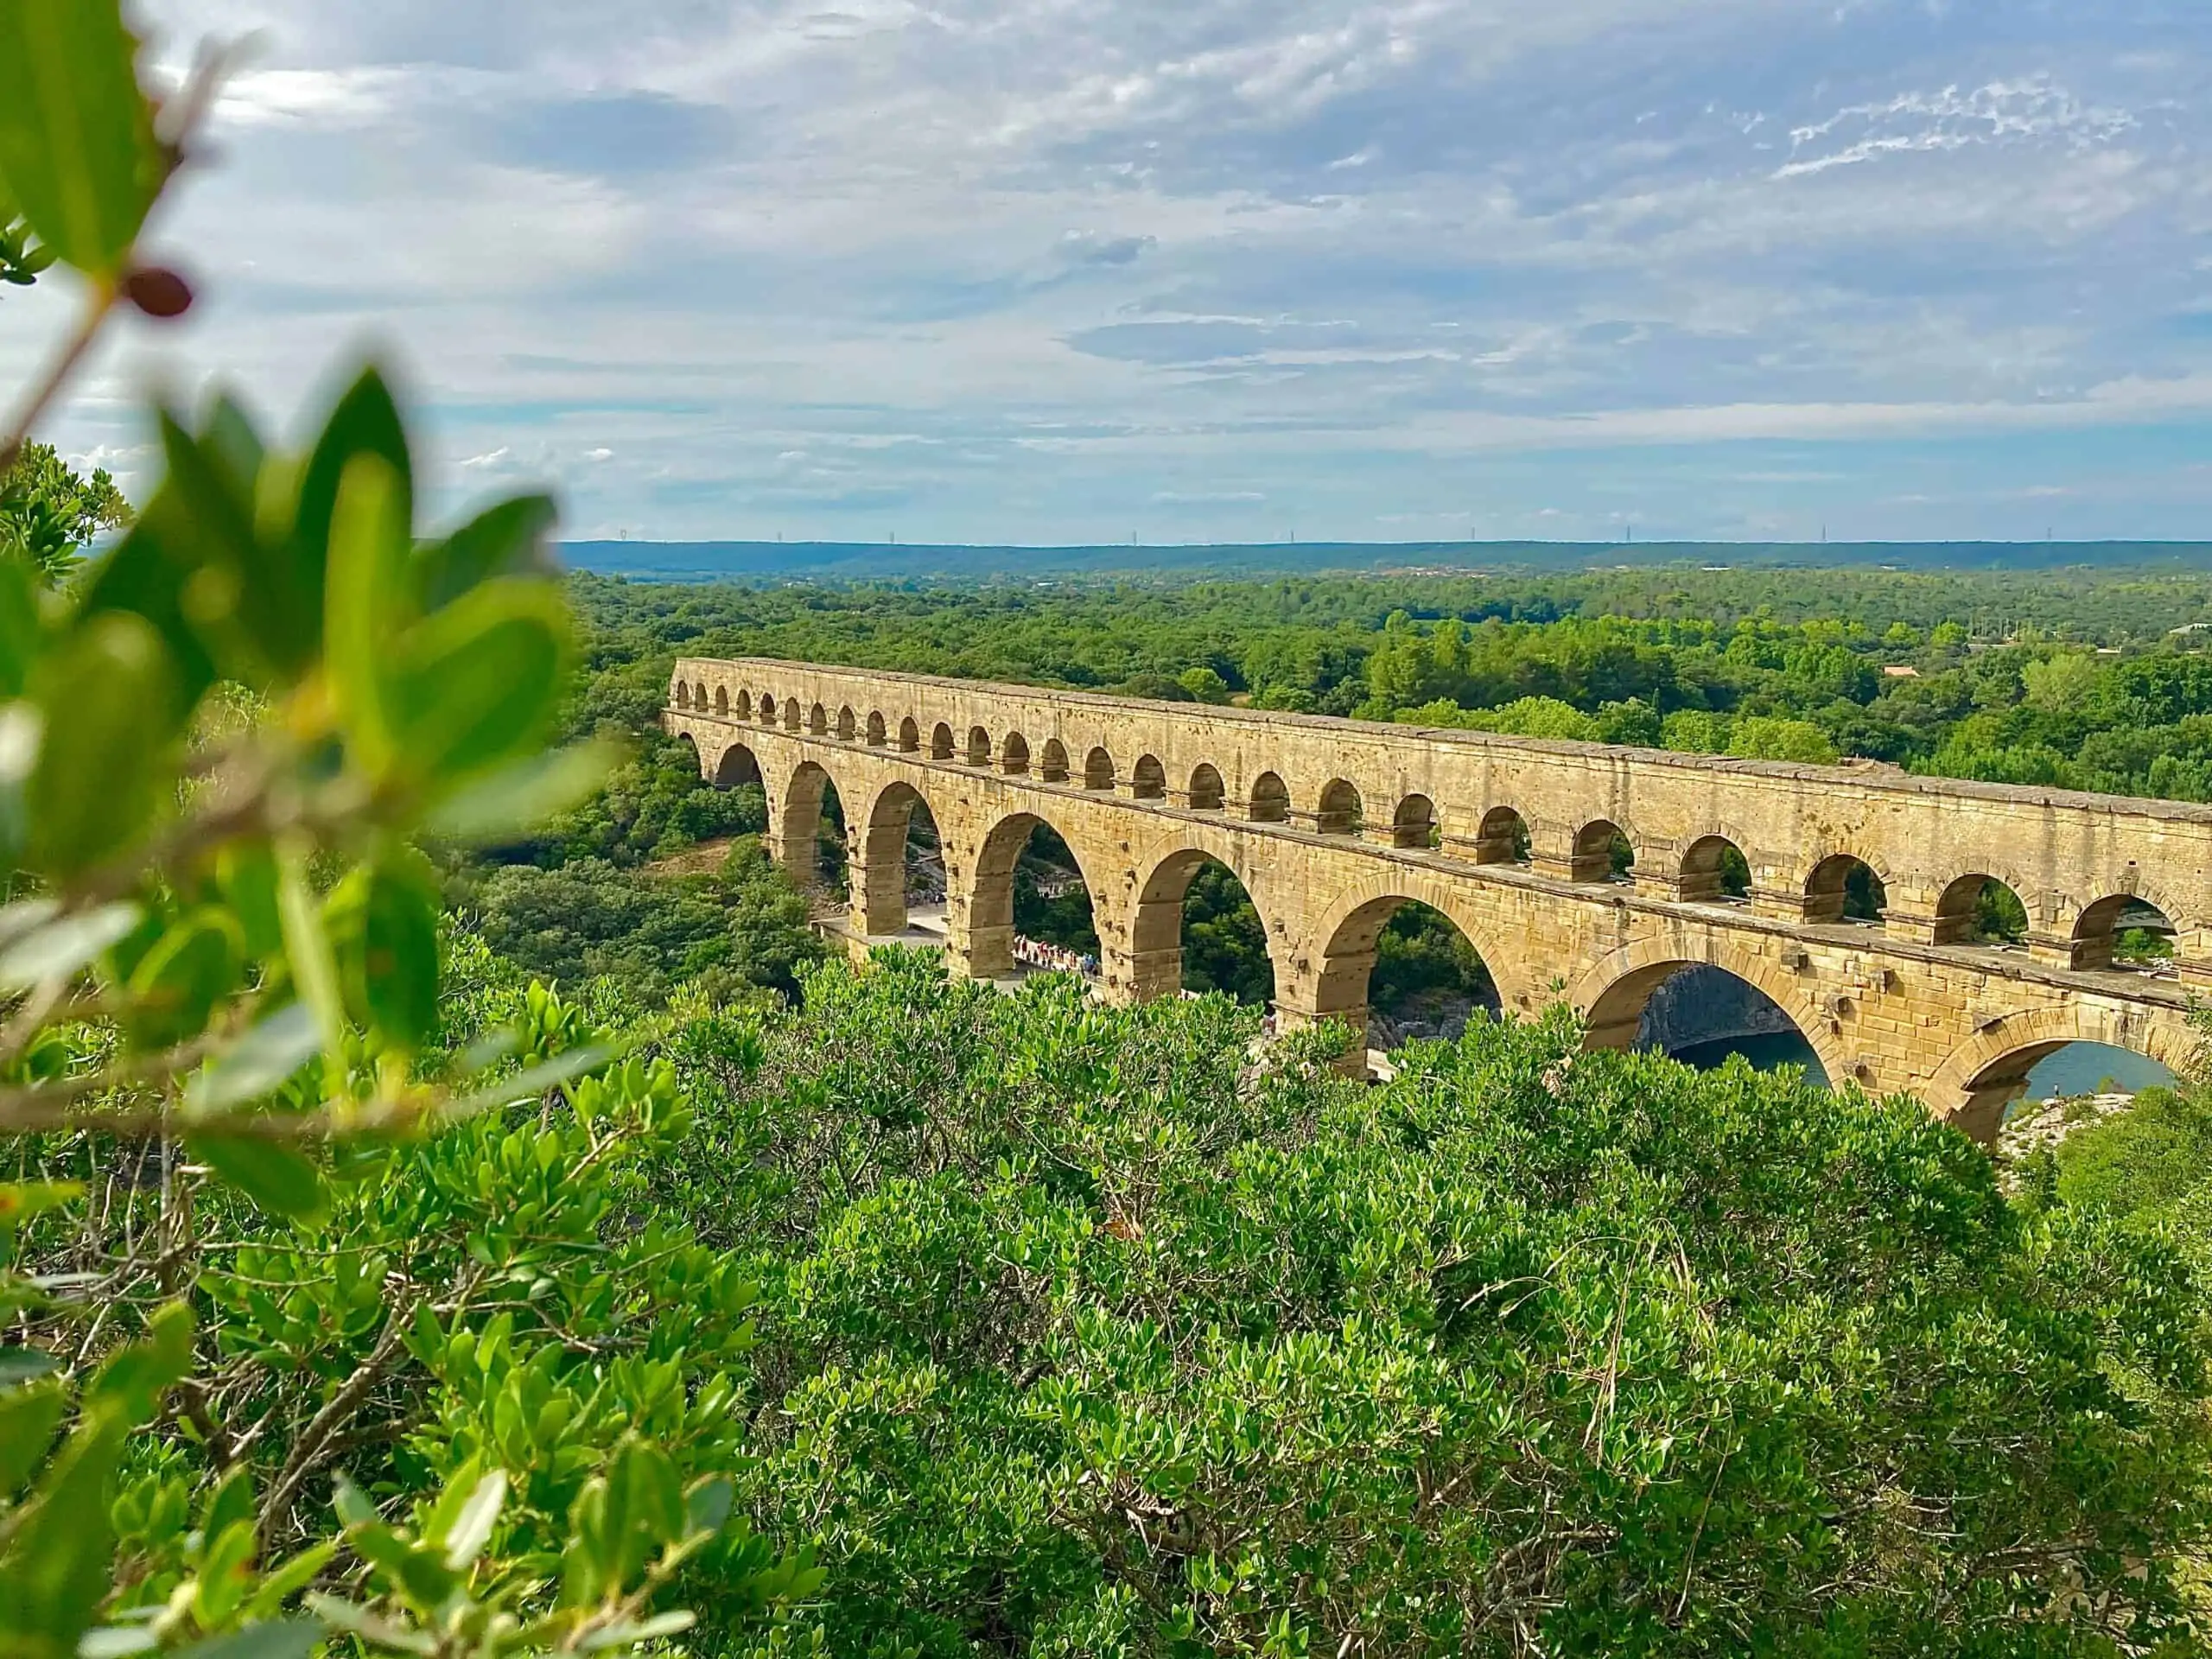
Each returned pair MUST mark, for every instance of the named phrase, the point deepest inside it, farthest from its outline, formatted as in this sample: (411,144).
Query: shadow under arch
(738,764)
(1613,993)
(1343,947)
(1162,947)
(989,900)
(903,853)
(697,759)
(1989,1070)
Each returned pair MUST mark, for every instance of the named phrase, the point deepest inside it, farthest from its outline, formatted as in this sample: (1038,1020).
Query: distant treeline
(898,561)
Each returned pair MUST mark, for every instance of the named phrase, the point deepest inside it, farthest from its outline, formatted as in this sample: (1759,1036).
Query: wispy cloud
(1016,269)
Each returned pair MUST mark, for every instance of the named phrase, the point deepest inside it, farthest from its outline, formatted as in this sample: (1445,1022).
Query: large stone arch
(878,843)
(1986,1072)
(1331,965)
(979,886)
(1612,992)
(797,821)
(1153,927)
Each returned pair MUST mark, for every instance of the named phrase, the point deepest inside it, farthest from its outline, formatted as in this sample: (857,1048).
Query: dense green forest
(364,1291)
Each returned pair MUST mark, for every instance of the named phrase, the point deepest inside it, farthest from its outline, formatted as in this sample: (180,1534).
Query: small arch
(2124,931)
(1502,837)
(791,713)
(1270,800)
(1844,887)
(1098,770)
(1053,767)
(848,724)
(767,709)
(817,722)
(738,764)
(979,746)
(1339,812)
(1207,794)
(692,744)
(1602,852)
(682,694)
(1014,755)
(1198,929)
(699,695)
(1413,824)
(743,707)
(1150,781)
(721,701)
(876,734)
(910,736)
(941,742)
(1714,871)
(1980,909)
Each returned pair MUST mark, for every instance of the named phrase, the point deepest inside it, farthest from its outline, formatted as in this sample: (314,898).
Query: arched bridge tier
(1578,870)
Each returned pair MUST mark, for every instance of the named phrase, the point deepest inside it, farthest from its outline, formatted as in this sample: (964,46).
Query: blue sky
(1054,270)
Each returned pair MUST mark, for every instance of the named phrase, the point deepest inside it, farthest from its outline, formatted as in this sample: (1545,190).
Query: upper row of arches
(1976,908)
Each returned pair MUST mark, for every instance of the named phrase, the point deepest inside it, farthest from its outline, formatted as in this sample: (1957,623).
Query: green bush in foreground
(1083,1333)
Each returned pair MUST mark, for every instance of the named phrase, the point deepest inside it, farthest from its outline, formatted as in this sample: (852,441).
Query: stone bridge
(1845,893)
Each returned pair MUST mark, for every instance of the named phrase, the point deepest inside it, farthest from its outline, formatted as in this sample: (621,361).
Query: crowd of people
(1053,958)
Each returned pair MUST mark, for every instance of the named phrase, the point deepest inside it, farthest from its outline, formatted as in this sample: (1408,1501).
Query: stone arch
(1502,837)
(743,707)
(1098,770)
(1612,993)
(910,736)
(881,896)
(1270,800)
(1156,922)
(1596,855)
(979,746)
(767,707)
(1959,910)
(682,694)
(1148,779)
(1207,794)
(721,701)
(2100,927)
(1413,824)
(1338,956)
(1988,1070)
(988,901)
(798,825)
(848,724)
(1714,871)
(1833,889)
(1014,755)
(817,722)
(790,714)
(877,735)
(1053,765)
(697,759)
(699,696)
(1339,811)
(738,764)
(941,742)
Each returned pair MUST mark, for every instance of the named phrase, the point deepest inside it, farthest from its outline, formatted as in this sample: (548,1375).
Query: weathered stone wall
(1327,824)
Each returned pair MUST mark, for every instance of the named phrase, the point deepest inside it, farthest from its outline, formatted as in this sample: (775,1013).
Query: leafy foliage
(1086,1337)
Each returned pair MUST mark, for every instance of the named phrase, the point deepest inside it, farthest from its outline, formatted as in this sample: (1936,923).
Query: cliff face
(1702,1005)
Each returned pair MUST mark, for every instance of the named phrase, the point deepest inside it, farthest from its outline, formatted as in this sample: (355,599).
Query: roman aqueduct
(1330,825)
